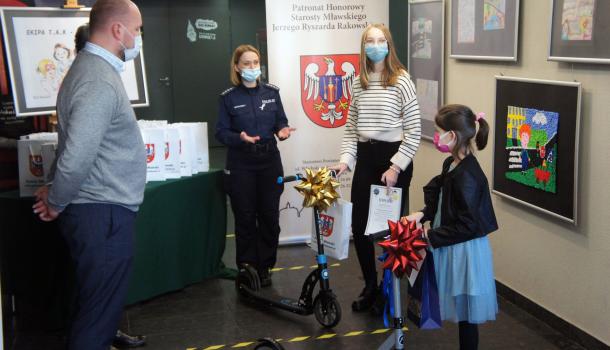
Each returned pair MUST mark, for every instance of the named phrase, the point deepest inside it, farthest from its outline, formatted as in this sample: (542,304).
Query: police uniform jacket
(258,111)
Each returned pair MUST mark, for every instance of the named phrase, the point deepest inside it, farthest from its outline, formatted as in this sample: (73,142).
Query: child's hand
(417,216)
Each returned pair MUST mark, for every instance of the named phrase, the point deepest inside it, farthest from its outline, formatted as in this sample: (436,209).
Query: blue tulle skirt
(465,279)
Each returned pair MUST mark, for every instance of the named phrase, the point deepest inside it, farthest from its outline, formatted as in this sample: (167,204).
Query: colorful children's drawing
(577,20)
(531,147)
(494,14)
(421,38)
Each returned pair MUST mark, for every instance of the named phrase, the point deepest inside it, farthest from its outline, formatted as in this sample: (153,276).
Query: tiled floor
(210,314)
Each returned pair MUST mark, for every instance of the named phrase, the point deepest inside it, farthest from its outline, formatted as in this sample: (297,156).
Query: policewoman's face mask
(250,75)
(131,53)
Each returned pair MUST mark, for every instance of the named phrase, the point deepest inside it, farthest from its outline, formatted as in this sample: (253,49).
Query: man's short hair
(104,11)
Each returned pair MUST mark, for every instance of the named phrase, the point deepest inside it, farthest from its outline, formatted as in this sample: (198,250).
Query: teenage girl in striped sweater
(382,134)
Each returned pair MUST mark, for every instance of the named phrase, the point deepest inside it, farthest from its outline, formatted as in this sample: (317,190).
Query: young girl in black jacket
(458,204)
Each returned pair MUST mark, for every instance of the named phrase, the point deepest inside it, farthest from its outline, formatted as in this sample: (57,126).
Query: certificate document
(383,206)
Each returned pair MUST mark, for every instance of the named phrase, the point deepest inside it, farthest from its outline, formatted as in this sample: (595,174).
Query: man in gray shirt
(99,175)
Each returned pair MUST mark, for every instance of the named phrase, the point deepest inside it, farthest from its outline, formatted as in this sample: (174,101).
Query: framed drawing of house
(536,144)
(579,31)
(484,29)
(426,53)
(39,44)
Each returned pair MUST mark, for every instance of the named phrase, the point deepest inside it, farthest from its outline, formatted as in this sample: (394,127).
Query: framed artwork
(426,58)
(484,29)
(536,144)
(579,31)
(39,43)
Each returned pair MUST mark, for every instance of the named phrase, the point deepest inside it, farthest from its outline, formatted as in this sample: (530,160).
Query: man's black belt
(259,147)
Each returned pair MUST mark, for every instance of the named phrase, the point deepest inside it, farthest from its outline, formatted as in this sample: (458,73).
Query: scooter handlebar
(298,177)
(289,178)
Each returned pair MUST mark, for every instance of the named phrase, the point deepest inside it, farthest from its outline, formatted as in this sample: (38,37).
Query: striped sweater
(384,114)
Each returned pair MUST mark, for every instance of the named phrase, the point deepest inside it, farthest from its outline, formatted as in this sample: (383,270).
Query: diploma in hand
(384,205)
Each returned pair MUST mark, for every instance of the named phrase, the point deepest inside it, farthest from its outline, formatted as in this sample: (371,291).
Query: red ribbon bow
(403,247)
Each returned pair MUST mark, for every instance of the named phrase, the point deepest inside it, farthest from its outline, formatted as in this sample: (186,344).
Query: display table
(180,240)
(180,235)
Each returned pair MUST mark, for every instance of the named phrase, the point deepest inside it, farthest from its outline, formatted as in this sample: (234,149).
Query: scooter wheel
(248,276)
(327,310)
(268,344)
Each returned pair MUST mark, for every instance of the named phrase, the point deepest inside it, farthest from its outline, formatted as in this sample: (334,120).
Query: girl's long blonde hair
(393,67)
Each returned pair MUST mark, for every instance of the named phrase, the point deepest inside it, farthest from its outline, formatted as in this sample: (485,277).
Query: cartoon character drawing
(525,132)
(48,70)
(63,59)
(541,174)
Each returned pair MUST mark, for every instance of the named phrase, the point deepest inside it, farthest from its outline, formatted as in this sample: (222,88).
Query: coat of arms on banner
(166,150)
(326,87)
(150,152)
(326,225)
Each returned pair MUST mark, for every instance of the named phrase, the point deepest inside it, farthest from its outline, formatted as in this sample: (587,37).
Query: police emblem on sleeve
(326,87)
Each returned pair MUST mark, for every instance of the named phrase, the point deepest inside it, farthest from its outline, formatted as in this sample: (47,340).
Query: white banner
(313,53)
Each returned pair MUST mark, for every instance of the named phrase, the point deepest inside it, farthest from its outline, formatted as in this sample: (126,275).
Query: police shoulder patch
(271,86)
(227,91)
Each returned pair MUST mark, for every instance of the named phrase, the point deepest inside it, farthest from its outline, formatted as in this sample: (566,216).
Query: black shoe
(265,277)
(366,299)
(379,305)
(123,340)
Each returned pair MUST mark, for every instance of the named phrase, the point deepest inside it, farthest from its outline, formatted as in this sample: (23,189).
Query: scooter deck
(276,300)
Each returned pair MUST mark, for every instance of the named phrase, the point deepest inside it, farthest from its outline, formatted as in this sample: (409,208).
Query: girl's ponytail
(481,137)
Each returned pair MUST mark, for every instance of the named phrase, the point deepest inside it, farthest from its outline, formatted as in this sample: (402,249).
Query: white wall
(563,268)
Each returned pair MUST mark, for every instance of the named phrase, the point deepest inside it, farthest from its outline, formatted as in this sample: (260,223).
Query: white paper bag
(335,230)
(185,149)
(31,171)
(48,151)
(154,141)
(172,153)
(200,140)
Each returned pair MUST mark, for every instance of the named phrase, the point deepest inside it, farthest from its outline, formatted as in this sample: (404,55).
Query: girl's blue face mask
(376,53)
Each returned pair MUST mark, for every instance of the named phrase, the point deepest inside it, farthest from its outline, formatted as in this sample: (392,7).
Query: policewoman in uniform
(250,118)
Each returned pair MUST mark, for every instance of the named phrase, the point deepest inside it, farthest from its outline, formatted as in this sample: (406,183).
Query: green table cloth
(180,235)
(180,240)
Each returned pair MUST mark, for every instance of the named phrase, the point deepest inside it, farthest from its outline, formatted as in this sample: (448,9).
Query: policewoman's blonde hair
(393,67)
(240,50)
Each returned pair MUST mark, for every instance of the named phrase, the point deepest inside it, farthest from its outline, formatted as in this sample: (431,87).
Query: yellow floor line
(243,345)
(297,339)
(353,334)
(327,336)
(296,268)
(304,338)
(276,269)
(230,236)
(381,331)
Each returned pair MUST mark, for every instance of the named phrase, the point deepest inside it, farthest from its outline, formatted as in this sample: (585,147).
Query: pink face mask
(442,148)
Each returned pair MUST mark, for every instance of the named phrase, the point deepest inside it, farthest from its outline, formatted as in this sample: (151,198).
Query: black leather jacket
(466,210)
